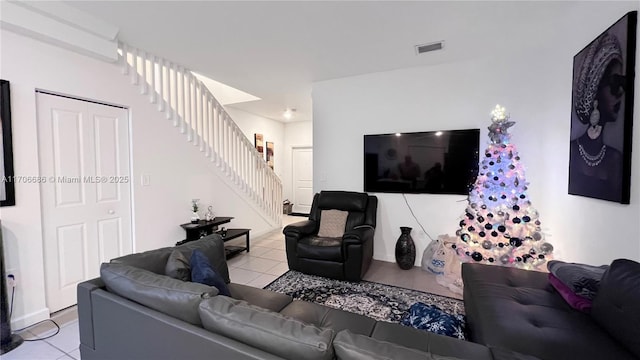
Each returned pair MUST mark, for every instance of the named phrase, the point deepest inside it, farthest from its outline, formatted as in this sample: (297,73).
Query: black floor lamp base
(13,343)
(8,341)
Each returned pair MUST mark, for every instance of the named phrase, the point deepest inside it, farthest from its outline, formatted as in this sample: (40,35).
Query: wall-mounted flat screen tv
(434,162)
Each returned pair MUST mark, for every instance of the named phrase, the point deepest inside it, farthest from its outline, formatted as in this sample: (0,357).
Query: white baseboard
(385,257)
(257,234)
(392,258)
(29,319)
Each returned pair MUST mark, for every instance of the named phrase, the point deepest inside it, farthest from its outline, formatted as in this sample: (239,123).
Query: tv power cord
(12,283)
(404,196)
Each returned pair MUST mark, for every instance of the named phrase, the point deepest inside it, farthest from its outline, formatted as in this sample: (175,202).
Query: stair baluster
(189,104)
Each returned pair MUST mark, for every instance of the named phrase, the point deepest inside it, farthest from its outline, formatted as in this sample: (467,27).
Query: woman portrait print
(597,126)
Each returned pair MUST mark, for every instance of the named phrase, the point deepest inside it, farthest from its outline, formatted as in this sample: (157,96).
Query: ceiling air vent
(423,48)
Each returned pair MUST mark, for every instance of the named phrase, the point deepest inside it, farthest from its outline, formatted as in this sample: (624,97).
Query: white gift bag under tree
(427,255)
(433,258)
(451,276)
(439,258)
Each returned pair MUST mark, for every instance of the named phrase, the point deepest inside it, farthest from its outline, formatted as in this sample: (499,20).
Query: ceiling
(276,50)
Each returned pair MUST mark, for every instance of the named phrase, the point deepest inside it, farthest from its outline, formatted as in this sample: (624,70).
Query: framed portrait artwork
(602,114)
(259,144)
(270,154)
(7,189)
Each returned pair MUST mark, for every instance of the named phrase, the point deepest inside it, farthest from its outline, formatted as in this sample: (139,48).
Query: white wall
(535,85)
(179,171)
(272,131)
(296,134)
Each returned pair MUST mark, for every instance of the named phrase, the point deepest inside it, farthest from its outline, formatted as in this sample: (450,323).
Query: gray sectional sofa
(520,310)
(134,311)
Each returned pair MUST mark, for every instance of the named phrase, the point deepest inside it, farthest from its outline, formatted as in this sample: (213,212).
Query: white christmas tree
(500,226)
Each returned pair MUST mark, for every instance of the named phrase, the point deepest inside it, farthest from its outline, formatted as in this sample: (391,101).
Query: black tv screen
(434,162)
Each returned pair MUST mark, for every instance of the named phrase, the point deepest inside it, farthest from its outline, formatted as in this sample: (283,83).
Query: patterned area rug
(377,301)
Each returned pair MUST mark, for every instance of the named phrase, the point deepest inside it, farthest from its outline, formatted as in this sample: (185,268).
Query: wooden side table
(229,234)
(202,228)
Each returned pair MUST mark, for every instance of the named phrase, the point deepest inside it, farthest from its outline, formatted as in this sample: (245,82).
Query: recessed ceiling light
(398,134)
(438,133)
(288,114)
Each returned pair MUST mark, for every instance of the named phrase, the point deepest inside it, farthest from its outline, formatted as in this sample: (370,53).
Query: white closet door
(85,190)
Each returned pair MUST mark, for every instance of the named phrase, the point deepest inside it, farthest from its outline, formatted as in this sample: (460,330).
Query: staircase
(196,113)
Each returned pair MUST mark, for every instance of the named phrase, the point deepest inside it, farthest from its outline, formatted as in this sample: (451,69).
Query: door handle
(111,212)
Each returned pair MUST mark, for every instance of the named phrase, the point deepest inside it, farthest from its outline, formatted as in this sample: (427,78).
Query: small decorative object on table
(194,211)
(223,232)
(209,215)
(405,249)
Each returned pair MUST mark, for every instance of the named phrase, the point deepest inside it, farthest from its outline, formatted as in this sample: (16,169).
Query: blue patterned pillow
(430,318)
(202,272)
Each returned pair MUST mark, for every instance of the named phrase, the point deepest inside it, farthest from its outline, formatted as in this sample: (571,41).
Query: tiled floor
(265,262)
(63,345)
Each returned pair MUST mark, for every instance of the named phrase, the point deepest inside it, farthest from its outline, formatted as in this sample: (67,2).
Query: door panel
(68,155)
(71,244)
(302,169)
(108,230)
(106,149)
(86,200)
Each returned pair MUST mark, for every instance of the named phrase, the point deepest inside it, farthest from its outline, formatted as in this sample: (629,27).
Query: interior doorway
(302,170)
(85,191)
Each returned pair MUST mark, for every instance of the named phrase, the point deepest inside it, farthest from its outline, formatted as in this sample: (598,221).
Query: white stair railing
(193,110)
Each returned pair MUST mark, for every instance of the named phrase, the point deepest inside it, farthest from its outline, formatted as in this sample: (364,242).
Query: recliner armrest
(301,229)
(358,234)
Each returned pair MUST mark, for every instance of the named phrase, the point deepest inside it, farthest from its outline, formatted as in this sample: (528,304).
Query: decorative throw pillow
(178,266)
(332,223)
(431,318)
(574,300)
(202,272)
(582,279)
(213,247)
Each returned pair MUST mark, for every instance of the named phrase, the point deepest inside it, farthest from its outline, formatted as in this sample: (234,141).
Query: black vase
(405,249)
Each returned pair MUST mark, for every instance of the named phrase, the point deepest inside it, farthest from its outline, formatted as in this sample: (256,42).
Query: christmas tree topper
(498,131)
(499,114)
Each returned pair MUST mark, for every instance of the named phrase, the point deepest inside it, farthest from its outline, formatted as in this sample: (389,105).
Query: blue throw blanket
(431,318)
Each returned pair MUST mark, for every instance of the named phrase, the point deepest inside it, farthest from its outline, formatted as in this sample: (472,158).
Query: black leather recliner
(346,258)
